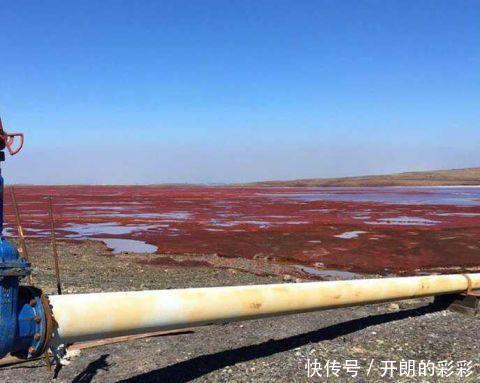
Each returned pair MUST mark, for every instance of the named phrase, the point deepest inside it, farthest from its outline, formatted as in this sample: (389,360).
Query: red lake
(372,230)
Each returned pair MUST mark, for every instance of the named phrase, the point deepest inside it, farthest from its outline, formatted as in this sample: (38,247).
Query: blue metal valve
(23,316)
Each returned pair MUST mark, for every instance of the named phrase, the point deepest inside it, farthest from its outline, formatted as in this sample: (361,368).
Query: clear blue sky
(222,91)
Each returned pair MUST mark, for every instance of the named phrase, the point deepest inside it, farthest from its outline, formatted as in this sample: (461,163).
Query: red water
(281,224)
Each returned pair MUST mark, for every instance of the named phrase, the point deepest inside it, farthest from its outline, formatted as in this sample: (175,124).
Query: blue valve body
(22,317)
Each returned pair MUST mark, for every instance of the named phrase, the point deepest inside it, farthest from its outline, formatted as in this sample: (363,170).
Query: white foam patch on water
(111,228)
(121,245)
(114,211)
(169,217)
(458,214)
(261,224)
(237,223)
(228,215)
(350,234)
(7,231)
(217,222)
(403,221)
(108,208)
(181,215)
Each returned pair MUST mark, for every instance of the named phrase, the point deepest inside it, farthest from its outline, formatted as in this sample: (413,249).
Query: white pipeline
(81,317)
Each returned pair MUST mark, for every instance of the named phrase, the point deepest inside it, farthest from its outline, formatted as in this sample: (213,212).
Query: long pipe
(81,317)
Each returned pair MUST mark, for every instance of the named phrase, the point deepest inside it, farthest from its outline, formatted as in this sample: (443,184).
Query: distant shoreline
(443,178)
(233,186)
(469,177)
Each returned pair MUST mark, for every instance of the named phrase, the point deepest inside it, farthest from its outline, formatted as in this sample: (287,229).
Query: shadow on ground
(87,375)
(191,369)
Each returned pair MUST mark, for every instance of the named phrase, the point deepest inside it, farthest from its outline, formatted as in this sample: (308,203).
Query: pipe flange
(35,323)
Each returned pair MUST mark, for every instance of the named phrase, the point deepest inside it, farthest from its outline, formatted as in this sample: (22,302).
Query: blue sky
(227,91)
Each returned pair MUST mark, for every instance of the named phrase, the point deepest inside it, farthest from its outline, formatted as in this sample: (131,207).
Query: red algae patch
(367,230)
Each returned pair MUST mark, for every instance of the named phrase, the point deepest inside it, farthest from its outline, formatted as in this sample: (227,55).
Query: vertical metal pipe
(54,245)
(21,235)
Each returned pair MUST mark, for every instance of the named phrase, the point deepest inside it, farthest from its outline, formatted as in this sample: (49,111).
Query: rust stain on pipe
(82,317)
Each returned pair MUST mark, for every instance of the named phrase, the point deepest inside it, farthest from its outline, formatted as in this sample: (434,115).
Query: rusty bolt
(37,319)
(37,336)
(33,302)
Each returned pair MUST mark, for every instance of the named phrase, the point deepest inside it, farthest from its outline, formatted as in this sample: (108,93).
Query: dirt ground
(378,339)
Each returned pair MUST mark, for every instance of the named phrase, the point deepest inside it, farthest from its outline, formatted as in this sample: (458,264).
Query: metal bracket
(465,303)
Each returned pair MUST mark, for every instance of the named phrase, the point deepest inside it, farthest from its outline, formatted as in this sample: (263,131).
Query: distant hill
(470,176)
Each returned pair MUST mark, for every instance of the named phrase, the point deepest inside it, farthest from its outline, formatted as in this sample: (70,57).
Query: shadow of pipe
(87,375)
(201,365)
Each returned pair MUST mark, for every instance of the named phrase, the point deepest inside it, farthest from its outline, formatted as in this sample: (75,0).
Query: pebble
(287,278)
(393,307)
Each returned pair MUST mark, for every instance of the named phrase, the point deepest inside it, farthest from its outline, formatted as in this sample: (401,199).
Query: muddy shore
(267,350)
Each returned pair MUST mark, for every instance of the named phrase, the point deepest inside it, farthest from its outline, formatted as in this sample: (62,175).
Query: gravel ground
(267,350)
